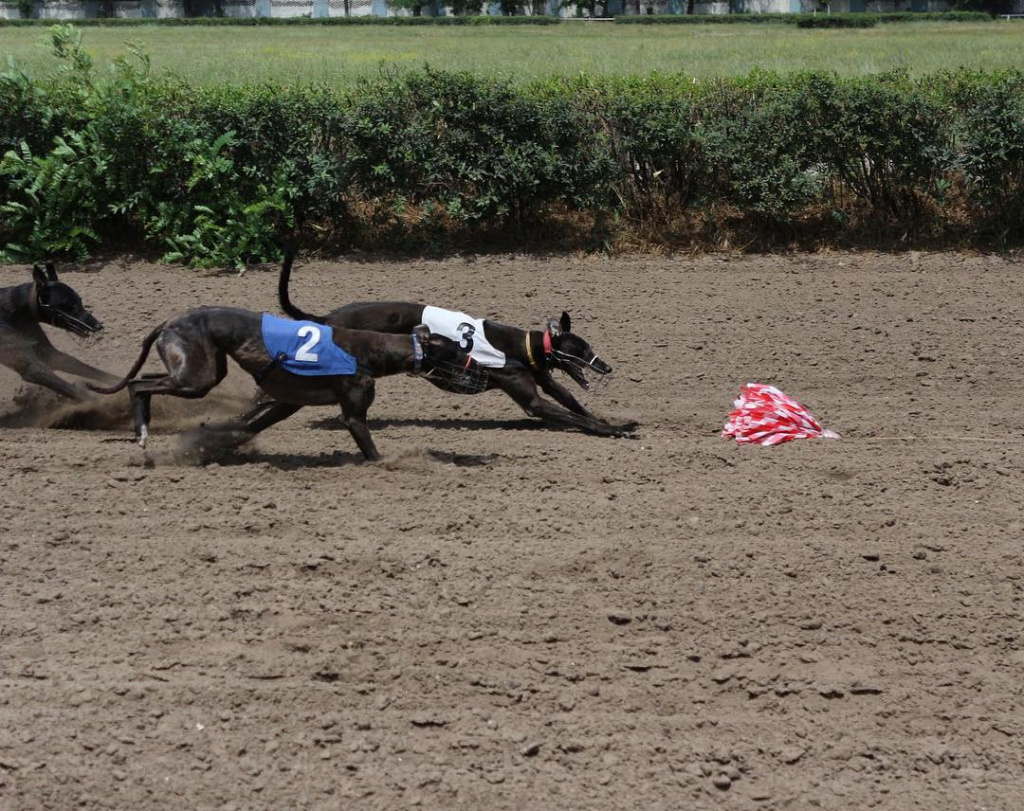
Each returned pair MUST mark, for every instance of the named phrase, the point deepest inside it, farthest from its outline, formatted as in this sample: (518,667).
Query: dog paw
(626,428)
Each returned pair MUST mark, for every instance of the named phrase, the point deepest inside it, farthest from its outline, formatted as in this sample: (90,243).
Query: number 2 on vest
(302,353)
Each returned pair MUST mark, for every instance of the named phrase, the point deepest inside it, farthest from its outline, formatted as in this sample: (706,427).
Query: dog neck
(398,357)
(538,349)
(33,303)
(417,355)
(19,304)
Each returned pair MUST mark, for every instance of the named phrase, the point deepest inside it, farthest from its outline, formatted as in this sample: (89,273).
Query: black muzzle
(579,369)
(470,378)
(63,320)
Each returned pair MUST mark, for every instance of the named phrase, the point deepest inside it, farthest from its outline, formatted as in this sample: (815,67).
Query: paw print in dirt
(723,772)
(956,473)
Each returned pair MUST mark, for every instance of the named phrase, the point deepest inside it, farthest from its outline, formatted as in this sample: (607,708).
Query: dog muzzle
(470,378)
(591,375)
(62,320)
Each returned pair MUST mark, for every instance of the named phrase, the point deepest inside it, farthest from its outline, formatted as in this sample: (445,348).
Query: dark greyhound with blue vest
(296,363)
(24,346)
(516,361)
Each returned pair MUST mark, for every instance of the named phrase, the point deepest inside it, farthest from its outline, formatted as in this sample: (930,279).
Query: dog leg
(355,400)
(524,392)
(232,434)
(140,416)
(561,394)
(190,383)
(240,423)
(141,406)
(22,356)
(63,362)
(272,413)
(42,376)
(247,416)
(33,371)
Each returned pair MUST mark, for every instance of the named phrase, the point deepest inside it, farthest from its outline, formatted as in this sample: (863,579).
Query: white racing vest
(467,331)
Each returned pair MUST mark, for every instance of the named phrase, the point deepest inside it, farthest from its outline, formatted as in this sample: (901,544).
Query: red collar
(545,342)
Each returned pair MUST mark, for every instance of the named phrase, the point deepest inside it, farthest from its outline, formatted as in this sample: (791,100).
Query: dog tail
(282,291)
(147,344)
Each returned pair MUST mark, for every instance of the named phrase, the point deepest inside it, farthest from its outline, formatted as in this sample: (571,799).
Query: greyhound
(517,361)
(195,345)
(24,346)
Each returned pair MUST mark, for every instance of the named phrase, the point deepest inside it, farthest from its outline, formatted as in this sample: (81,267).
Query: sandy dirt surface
(505,617)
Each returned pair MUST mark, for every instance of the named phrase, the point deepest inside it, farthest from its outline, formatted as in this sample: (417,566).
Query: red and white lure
(765,416)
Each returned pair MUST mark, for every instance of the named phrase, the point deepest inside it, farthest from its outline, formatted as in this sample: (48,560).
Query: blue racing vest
(305,348)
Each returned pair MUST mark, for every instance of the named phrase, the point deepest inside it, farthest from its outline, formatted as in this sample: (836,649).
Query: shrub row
(853,20)
(844,20)
(709,19)
(417,161)
(243,21)
(871,20)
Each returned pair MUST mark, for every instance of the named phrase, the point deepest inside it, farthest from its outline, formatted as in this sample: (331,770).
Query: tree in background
(204,8)
(584,8)
(418,7)
(993,7)
(535,6)
(415,6)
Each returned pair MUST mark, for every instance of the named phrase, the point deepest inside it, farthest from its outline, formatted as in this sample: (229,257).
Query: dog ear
(39,275)
(51,272)
(554,327)
(422,333)
(566,322)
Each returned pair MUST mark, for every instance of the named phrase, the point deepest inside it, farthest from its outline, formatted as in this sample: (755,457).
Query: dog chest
(305,348)
(467,331)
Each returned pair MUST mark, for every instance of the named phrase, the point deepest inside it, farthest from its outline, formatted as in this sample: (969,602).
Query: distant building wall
(709,8)
(86,9)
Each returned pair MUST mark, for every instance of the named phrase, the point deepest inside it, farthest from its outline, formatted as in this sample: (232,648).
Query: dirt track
(503,617)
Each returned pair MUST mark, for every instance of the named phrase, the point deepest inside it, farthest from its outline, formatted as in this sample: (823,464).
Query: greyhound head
(447,363)
(59,305)
(572,354)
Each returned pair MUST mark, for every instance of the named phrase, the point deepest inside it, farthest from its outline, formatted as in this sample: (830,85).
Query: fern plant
(223,220)
(54,199)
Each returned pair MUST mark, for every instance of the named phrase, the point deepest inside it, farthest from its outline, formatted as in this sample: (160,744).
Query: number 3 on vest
(466,333)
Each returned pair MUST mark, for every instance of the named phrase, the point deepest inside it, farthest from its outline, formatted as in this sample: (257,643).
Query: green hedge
(838,21)
(871,20)
(427,160)
(845,20)
(708,19)
(343,21)
(857,20)
(933,16)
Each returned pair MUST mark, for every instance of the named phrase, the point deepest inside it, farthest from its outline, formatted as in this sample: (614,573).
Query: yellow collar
(529,352)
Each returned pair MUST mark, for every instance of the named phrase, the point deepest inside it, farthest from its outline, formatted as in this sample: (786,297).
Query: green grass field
(340,55)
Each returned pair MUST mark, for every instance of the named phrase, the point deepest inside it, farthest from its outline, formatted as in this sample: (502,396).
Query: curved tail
(282,292)
(147,344)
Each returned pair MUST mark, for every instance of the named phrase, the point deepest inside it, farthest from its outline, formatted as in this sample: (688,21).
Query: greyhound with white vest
(516,361)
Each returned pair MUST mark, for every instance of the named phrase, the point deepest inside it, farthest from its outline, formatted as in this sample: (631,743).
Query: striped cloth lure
(765,416)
